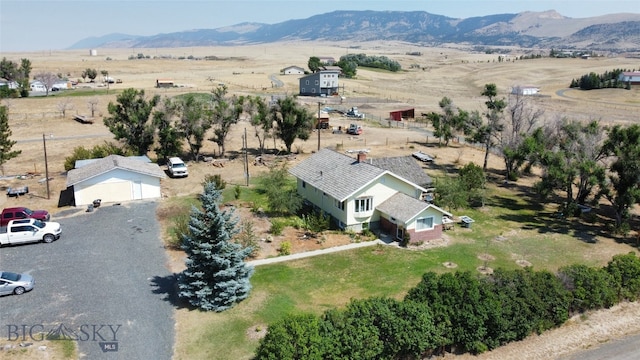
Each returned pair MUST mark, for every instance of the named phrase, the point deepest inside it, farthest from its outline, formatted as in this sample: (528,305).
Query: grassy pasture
(511,227)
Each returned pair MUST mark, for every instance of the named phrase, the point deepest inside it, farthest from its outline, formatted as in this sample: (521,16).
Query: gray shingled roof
(336,174)
(404,166)
(404,208)
(109,163)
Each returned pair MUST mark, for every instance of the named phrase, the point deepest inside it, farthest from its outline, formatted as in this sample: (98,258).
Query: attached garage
(115,179)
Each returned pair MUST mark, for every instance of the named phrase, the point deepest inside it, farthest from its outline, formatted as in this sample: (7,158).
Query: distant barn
(164,83)
(399,115)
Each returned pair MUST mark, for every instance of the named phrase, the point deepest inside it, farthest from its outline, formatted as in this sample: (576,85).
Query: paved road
(102,282)
(627,348)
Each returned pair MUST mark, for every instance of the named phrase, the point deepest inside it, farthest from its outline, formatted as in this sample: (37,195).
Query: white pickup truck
(29,230)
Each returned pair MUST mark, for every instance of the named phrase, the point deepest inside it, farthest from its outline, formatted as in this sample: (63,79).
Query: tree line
(349,63)
(168,125)
(456,312)
(607,80)
(584,161)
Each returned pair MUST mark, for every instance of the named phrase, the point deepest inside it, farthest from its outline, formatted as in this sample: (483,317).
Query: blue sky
(27,25)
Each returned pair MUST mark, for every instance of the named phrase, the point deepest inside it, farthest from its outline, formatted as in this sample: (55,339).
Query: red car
(16,213)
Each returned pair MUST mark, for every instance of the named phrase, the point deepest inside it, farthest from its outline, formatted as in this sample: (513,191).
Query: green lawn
(508,229)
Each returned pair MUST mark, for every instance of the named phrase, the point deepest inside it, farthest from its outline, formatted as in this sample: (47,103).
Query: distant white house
(525,90)
(9,84)
(61,85)
(293,70)
(632,77)
(37,86)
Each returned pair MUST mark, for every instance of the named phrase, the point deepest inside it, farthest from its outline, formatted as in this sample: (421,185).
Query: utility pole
(246,158)
(46,165)
(318,125)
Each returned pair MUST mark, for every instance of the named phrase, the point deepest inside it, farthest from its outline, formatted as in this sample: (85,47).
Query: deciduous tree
(225,113)
(130,119)
(520,123)
(486,133)
(292,121)
(92,104)
(314,63)
(281,195)
(446,123)
(258,111)
(194,122)
(48,79)
(169,137)
(623,186)
(64,105)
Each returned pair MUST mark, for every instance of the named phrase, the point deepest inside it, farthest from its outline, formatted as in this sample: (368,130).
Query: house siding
(322,82)
(380,190)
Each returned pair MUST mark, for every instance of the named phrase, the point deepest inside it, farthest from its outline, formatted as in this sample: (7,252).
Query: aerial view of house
(386,194)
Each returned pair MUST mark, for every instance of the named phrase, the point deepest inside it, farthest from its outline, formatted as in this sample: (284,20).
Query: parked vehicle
(177,167)
(354,129)
(21,212)
(12,283)
(29,230)
(354,113)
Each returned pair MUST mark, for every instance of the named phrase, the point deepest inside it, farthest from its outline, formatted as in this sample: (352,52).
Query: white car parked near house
(177,167)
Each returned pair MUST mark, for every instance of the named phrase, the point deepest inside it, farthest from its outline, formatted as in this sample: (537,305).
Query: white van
(177,167)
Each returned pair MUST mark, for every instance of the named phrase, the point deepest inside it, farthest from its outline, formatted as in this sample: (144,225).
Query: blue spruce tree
(216,276)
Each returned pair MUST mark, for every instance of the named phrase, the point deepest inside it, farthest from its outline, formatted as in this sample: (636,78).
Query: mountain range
(549,29)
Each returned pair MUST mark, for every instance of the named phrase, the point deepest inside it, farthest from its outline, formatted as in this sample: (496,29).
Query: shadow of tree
(168,286)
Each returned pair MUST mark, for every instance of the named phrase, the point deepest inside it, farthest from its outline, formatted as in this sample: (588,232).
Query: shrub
(236,192)
(248,238)
(285,248)
(180,226)
(276,227)
(216,179)
(316,222)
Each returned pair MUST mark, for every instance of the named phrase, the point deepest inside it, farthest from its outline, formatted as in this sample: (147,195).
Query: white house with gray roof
(115,178)
(360,193)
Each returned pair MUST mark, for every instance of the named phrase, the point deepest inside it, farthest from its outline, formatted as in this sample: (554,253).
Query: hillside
(548,29)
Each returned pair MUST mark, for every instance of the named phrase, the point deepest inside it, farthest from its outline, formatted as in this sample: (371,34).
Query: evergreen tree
(5,143)
(216,276)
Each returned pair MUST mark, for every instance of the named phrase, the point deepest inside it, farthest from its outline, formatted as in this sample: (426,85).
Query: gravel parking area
(100,283)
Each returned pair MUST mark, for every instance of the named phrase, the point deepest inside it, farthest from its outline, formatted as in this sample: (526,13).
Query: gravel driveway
(101,283)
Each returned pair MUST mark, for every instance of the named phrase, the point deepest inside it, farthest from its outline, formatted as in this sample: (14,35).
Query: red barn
(399,115)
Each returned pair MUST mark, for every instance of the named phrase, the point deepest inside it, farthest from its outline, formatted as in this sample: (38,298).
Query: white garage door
(108,192)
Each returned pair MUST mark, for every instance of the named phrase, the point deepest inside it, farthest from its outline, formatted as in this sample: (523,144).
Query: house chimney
(362,156)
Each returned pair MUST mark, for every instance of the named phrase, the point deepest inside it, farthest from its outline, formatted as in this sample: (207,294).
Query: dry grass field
(457,73)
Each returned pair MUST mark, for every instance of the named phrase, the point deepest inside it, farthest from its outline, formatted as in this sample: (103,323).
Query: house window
(317,82)
(364,204)
(425,223)
(304,184)
(339,204)
(307,82)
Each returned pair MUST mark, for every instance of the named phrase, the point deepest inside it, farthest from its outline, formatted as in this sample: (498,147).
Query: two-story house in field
(323,82)
(384,194)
